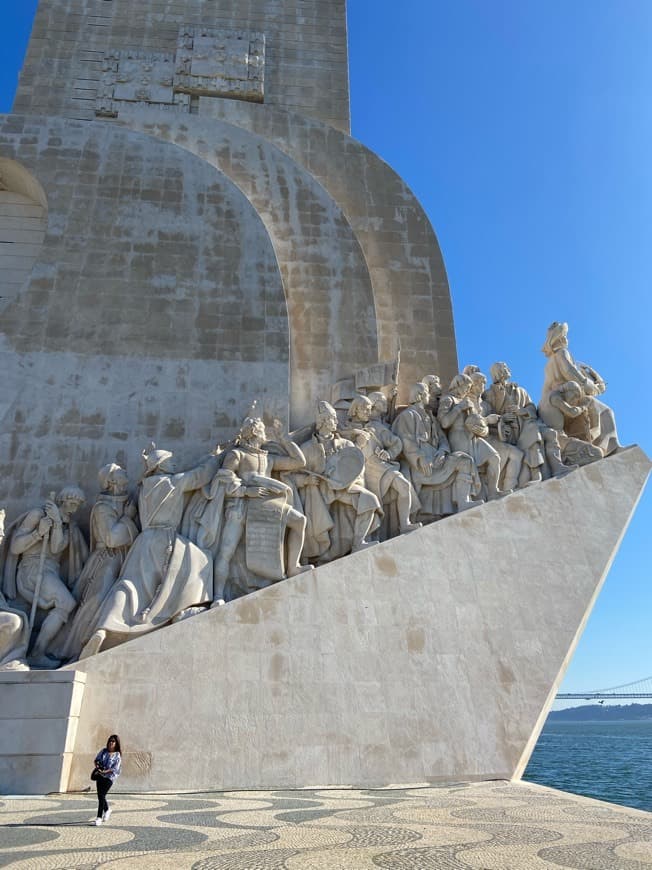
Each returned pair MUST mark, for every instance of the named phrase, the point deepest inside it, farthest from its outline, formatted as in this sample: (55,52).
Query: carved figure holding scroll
(562,368)
(113,530)
(164,575)
(247,506)
(14,629)
(446,481)
(382,474)
(46,554)
(341,512)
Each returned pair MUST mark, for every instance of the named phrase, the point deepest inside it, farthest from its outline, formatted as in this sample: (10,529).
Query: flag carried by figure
(375,376)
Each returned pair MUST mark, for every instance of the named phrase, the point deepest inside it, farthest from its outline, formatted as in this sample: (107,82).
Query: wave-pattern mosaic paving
(484,826)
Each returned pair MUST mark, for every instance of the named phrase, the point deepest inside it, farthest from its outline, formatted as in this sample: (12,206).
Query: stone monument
(319,563)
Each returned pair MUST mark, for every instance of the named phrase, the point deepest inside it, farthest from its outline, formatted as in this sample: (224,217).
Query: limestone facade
(144,315)
(305,53)
(202,242)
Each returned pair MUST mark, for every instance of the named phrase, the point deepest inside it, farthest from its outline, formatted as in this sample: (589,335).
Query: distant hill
(602,713)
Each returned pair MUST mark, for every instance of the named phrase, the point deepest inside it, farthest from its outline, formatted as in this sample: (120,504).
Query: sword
(39,580)
(391,409)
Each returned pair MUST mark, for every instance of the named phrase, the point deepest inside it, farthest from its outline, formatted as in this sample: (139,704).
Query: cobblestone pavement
(481,826)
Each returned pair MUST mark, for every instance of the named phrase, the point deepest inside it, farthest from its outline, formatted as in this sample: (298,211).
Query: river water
(611,761)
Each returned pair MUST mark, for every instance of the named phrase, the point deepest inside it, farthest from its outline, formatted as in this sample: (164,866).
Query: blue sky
(525,129)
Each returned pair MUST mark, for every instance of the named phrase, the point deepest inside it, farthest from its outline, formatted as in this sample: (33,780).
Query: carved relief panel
(134,77)
(208,62)
(221,63)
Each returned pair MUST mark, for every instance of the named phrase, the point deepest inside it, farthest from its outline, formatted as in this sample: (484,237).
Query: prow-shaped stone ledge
(431,657)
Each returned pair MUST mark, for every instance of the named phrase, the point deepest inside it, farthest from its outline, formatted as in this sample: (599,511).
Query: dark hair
(117,742)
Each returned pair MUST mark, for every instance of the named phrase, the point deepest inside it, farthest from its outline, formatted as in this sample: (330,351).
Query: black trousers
(103,784)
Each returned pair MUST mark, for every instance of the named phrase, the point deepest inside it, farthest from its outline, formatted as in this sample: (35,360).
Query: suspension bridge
(639,689)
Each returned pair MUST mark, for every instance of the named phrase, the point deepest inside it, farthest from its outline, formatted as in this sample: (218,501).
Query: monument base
(431,657)
(39,714)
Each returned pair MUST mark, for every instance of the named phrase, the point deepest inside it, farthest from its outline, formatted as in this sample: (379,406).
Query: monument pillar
(203,235)
(290,54)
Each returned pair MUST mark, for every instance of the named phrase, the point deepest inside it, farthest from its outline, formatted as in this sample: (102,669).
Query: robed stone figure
(164,573)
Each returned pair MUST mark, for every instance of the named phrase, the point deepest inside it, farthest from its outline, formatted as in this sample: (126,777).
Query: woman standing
(108,763)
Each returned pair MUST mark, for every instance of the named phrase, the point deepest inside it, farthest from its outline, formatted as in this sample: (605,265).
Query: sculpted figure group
(271,505)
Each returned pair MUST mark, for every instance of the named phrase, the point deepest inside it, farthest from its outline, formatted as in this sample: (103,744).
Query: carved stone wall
(144,315)
(221,63)
(324,266)
(23,221)
(331,304)
(38,727)
(292,52)
(137,78)
(208,62)
(411,294)
(202,251)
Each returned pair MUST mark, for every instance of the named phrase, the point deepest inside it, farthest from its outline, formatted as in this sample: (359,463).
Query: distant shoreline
(603,713)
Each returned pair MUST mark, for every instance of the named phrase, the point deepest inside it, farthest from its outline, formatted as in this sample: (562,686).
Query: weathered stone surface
(154,254)
(433,656)
(306,50)
(23,222)
(39,714)
(144,317)
(220,63)
(331,302)
(406,267)
(325,191)
(163,277)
